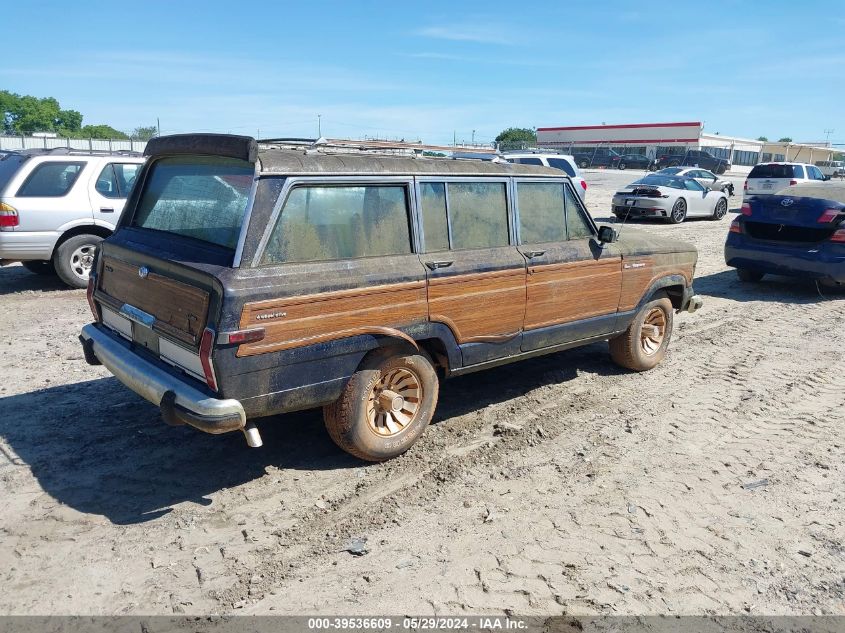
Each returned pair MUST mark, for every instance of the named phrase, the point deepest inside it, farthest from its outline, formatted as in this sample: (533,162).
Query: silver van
(57,205)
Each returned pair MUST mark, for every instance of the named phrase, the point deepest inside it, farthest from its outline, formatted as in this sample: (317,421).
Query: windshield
(202,197)
(656,180)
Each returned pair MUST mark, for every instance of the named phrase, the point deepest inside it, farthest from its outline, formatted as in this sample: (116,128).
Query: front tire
(748,275)
(385,406)
(40,268)
(622,166)
(679,211)
(74,259)
(643,345)
(584,164)
(721,209)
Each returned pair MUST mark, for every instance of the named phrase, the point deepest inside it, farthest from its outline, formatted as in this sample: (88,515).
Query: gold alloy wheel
(653,331)
(394,402)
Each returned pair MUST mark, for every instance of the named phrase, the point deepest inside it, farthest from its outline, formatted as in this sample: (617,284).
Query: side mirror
(607,235)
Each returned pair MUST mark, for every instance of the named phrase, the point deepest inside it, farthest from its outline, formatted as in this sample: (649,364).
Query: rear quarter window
(562,164)
(320,223)
(51,179)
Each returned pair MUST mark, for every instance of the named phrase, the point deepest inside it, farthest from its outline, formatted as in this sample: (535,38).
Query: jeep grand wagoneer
(246,280)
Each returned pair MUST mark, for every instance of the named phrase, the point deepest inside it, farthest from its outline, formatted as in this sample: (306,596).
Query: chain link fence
(13,143)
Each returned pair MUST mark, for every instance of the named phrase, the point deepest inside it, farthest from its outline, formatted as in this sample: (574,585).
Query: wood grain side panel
(180,309)
(479,306)
(564,292)
(644,271)
(321,317)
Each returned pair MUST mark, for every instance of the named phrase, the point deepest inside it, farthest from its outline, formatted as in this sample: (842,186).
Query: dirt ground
(712,484)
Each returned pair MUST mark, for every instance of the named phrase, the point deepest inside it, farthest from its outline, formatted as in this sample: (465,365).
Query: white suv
(564,162)
(772,177)
(57,205)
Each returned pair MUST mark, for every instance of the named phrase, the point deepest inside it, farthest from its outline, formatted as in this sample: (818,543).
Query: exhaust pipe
(253,437)
(695,303)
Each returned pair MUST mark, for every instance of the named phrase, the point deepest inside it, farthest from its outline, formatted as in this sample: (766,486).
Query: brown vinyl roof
(298,162)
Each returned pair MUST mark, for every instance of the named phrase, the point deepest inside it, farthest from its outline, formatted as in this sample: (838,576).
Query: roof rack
(390,148)
(72,151)
(533,150)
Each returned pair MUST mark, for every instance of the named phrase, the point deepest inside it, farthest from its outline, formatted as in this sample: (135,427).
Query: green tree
(144,133)
(101,131)
(765,139)
(785,139)
(517,138)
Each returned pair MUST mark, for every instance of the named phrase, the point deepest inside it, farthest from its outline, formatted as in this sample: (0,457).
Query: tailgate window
(201,197)
(777,171)
(9,164)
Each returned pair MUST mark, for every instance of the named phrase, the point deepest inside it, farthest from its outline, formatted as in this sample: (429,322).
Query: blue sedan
(800,232)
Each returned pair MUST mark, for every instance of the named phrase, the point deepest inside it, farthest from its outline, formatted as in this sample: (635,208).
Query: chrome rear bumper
(180,403)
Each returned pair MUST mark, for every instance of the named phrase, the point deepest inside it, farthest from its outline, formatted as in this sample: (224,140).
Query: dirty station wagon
(248,279)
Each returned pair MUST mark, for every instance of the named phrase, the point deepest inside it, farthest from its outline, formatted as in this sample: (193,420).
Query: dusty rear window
(202,197)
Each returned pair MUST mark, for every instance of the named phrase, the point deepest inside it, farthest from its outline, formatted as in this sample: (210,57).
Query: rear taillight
(735,227)
(746,208)
(92,284)
(828,216)
(793,183)
(252,335)
(584,184)
(8,215)
(838,236)
(206,346)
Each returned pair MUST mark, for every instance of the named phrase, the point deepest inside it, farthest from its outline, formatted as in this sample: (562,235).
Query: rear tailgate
(158,278)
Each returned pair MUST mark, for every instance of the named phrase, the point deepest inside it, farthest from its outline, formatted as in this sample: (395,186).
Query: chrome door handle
(436,265)
(106,210)
(533,254)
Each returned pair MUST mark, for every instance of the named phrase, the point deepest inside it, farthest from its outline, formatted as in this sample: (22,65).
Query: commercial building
(656,139)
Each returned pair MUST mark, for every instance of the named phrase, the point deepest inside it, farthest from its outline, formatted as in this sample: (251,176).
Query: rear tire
(385,406)
(721,209)
(584,164)
(622,166)
(679,212)
(74,259)
(40,268)
(748,275)
(643,345)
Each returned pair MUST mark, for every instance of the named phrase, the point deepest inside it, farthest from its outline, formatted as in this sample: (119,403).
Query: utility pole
(455,138)
(827,134)
(473,137)
(158,125)
(319,126)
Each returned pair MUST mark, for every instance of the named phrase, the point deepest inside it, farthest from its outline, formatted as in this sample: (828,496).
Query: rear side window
(560,163)
(529,161)
(541,212)
(319,223)
(435,222)
(479,214)
(202,197)
(51,179)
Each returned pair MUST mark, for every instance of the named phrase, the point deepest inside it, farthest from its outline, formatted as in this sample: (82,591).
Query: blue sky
(428,70)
